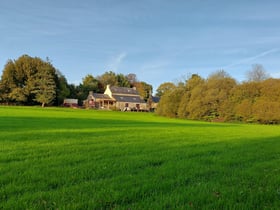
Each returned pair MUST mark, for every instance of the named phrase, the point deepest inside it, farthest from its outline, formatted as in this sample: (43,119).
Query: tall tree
(44,86)
(89,83)
(243,97)
(144,89)
(257,74)
(169,101)
(108,78)
(132,78)
(62,90)
(122,80)
(191,83)
(19,79)
(219,86)
(164,87)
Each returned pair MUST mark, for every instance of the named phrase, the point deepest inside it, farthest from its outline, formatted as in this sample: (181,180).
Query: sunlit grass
(84,159)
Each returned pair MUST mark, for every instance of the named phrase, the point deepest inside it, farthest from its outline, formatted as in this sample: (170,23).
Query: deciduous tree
(164,87)
(257,74)
(20,79)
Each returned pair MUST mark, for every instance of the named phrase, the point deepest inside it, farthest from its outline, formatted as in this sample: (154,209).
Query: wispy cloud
(252,58)
(116,61)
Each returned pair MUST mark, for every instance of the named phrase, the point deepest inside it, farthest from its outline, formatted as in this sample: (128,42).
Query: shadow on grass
(48,123)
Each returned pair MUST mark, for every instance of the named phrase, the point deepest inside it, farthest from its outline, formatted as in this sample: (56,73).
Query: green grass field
(57,158)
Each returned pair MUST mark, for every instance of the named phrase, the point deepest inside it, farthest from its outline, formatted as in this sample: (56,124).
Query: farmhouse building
(70,102)
(154,100)
(99,101)
(119,98)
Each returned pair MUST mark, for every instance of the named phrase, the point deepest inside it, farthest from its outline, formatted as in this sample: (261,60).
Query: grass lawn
(57,158)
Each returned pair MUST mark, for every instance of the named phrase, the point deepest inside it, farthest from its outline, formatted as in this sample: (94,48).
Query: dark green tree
(108,78)
(62,88)
(89,83)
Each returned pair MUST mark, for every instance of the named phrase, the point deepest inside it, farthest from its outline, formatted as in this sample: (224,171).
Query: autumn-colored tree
(219,86)
(270,89)
(196,107)
(144,89)
(243,97)
(266,108)
(266,111)
(164,87)
(191,83)
(169,102)
(244,110)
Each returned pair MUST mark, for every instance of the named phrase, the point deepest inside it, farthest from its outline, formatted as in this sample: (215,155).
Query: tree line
(32,81)
(221,98)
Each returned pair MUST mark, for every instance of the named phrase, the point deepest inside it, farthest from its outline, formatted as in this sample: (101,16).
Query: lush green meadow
(56,158)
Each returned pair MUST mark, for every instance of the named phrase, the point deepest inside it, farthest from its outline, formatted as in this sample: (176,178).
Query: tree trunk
(43,104)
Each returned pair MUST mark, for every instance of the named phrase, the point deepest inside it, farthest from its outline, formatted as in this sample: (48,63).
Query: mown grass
(83,159)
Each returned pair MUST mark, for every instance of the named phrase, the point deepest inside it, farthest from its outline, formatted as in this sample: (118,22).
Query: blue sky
(158,40)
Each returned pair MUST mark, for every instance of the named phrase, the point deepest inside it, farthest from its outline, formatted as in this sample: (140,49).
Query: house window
(126,104)
(138,106)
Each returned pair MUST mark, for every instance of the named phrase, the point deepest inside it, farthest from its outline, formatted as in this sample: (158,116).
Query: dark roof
(123,90)
(155,99)
(130,99)
(101,96)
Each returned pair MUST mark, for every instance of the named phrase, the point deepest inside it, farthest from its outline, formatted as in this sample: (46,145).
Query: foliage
(44,86)
(89,83)
(221,98)
(31,80)
(63,89)
(164,87)
(113,79)
(20,81)
(83,159)
(144,89)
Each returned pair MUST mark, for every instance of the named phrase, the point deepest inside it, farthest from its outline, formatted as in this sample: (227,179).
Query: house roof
(129,99)
(101,96)
(155,99)
(123,90)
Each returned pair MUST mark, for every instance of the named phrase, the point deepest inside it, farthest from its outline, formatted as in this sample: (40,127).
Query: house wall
(122,105)
(70,102)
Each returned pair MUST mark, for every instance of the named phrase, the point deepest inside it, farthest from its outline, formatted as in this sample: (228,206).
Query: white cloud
(116,61)
(252,58)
